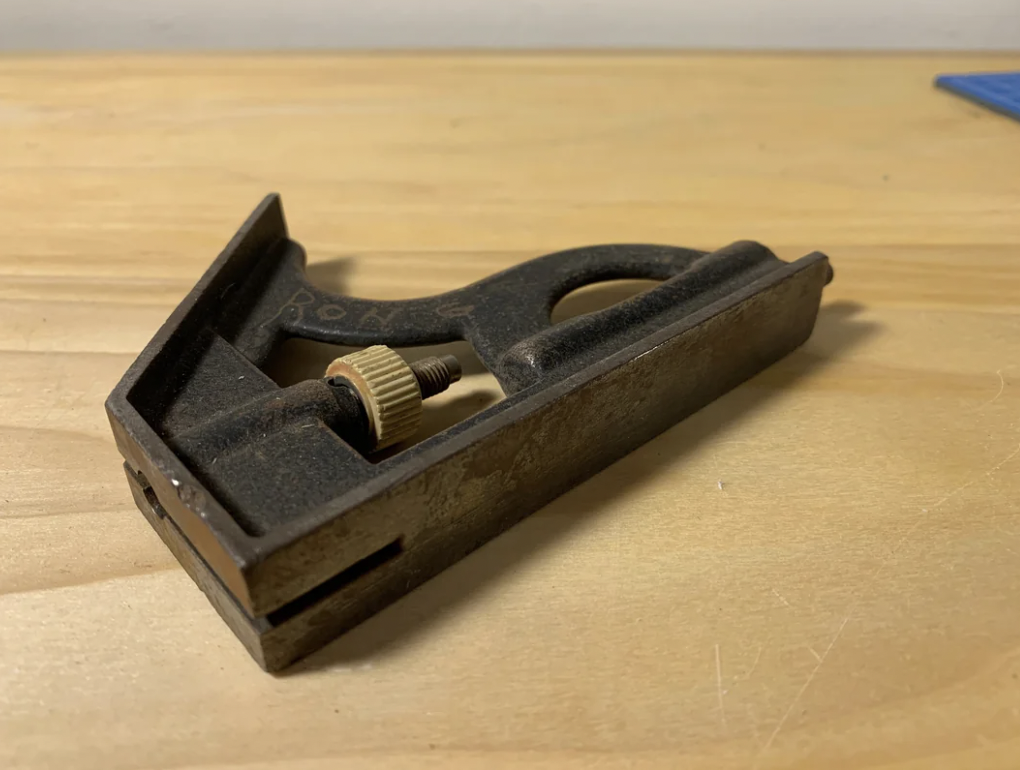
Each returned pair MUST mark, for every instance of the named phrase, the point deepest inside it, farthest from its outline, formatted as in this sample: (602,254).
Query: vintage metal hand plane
(266,494)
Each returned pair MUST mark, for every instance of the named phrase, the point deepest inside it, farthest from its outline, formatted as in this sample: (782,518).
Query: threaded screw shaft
(436,373)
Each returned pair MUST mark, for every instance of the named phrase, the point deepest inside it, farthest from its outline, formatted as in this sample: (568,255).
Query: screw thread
(435,374)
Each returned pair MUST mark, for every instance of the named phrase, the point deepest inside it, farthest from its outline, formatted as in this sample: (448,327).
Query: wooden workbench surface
(850,597)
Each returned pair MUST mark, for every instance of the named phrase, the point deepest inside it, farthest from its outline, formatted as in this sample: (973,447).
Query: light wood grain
(849,598)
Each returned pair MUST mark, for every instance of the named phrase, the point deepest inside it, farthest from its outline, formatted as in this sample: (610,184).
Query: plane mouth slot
(337,583)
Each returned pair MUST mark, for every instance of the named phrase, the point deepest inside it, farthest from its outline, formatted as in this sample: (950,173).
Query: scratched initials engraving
(330,312)
(301,299)
(455,311)
(383,320)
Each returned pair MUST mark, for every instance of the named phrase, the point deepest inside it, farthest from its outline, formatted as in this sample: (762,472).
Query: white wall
(806,24)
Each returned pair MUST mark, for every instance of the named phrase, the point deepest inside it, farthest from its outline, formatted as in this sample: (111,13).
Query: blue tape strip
(999,91)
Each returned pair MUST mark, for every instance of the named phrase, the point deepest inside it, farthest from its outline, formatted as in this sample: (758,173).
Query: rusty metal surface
(262,492)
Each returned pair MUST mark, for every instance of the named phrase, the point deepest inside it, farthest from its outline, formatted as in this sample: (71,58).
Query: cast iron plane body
(261,491)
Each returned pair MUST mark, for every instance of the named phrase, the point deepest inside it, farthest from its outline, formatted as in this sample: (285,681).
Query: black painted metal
(262,491)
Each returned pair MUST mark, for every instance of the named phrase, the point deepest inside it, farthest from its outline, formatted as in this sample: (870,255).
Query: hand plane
(269,496)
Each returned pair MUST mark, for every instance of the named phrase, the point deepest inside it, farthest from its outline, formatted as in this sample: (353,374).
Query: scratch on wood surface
(802,690)
(1002,386)
(46,417)
(1003,531)
(939,504)
(958,490)
(876,578)
(718,686)
(780,597)
(815,654)
(1013,454)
